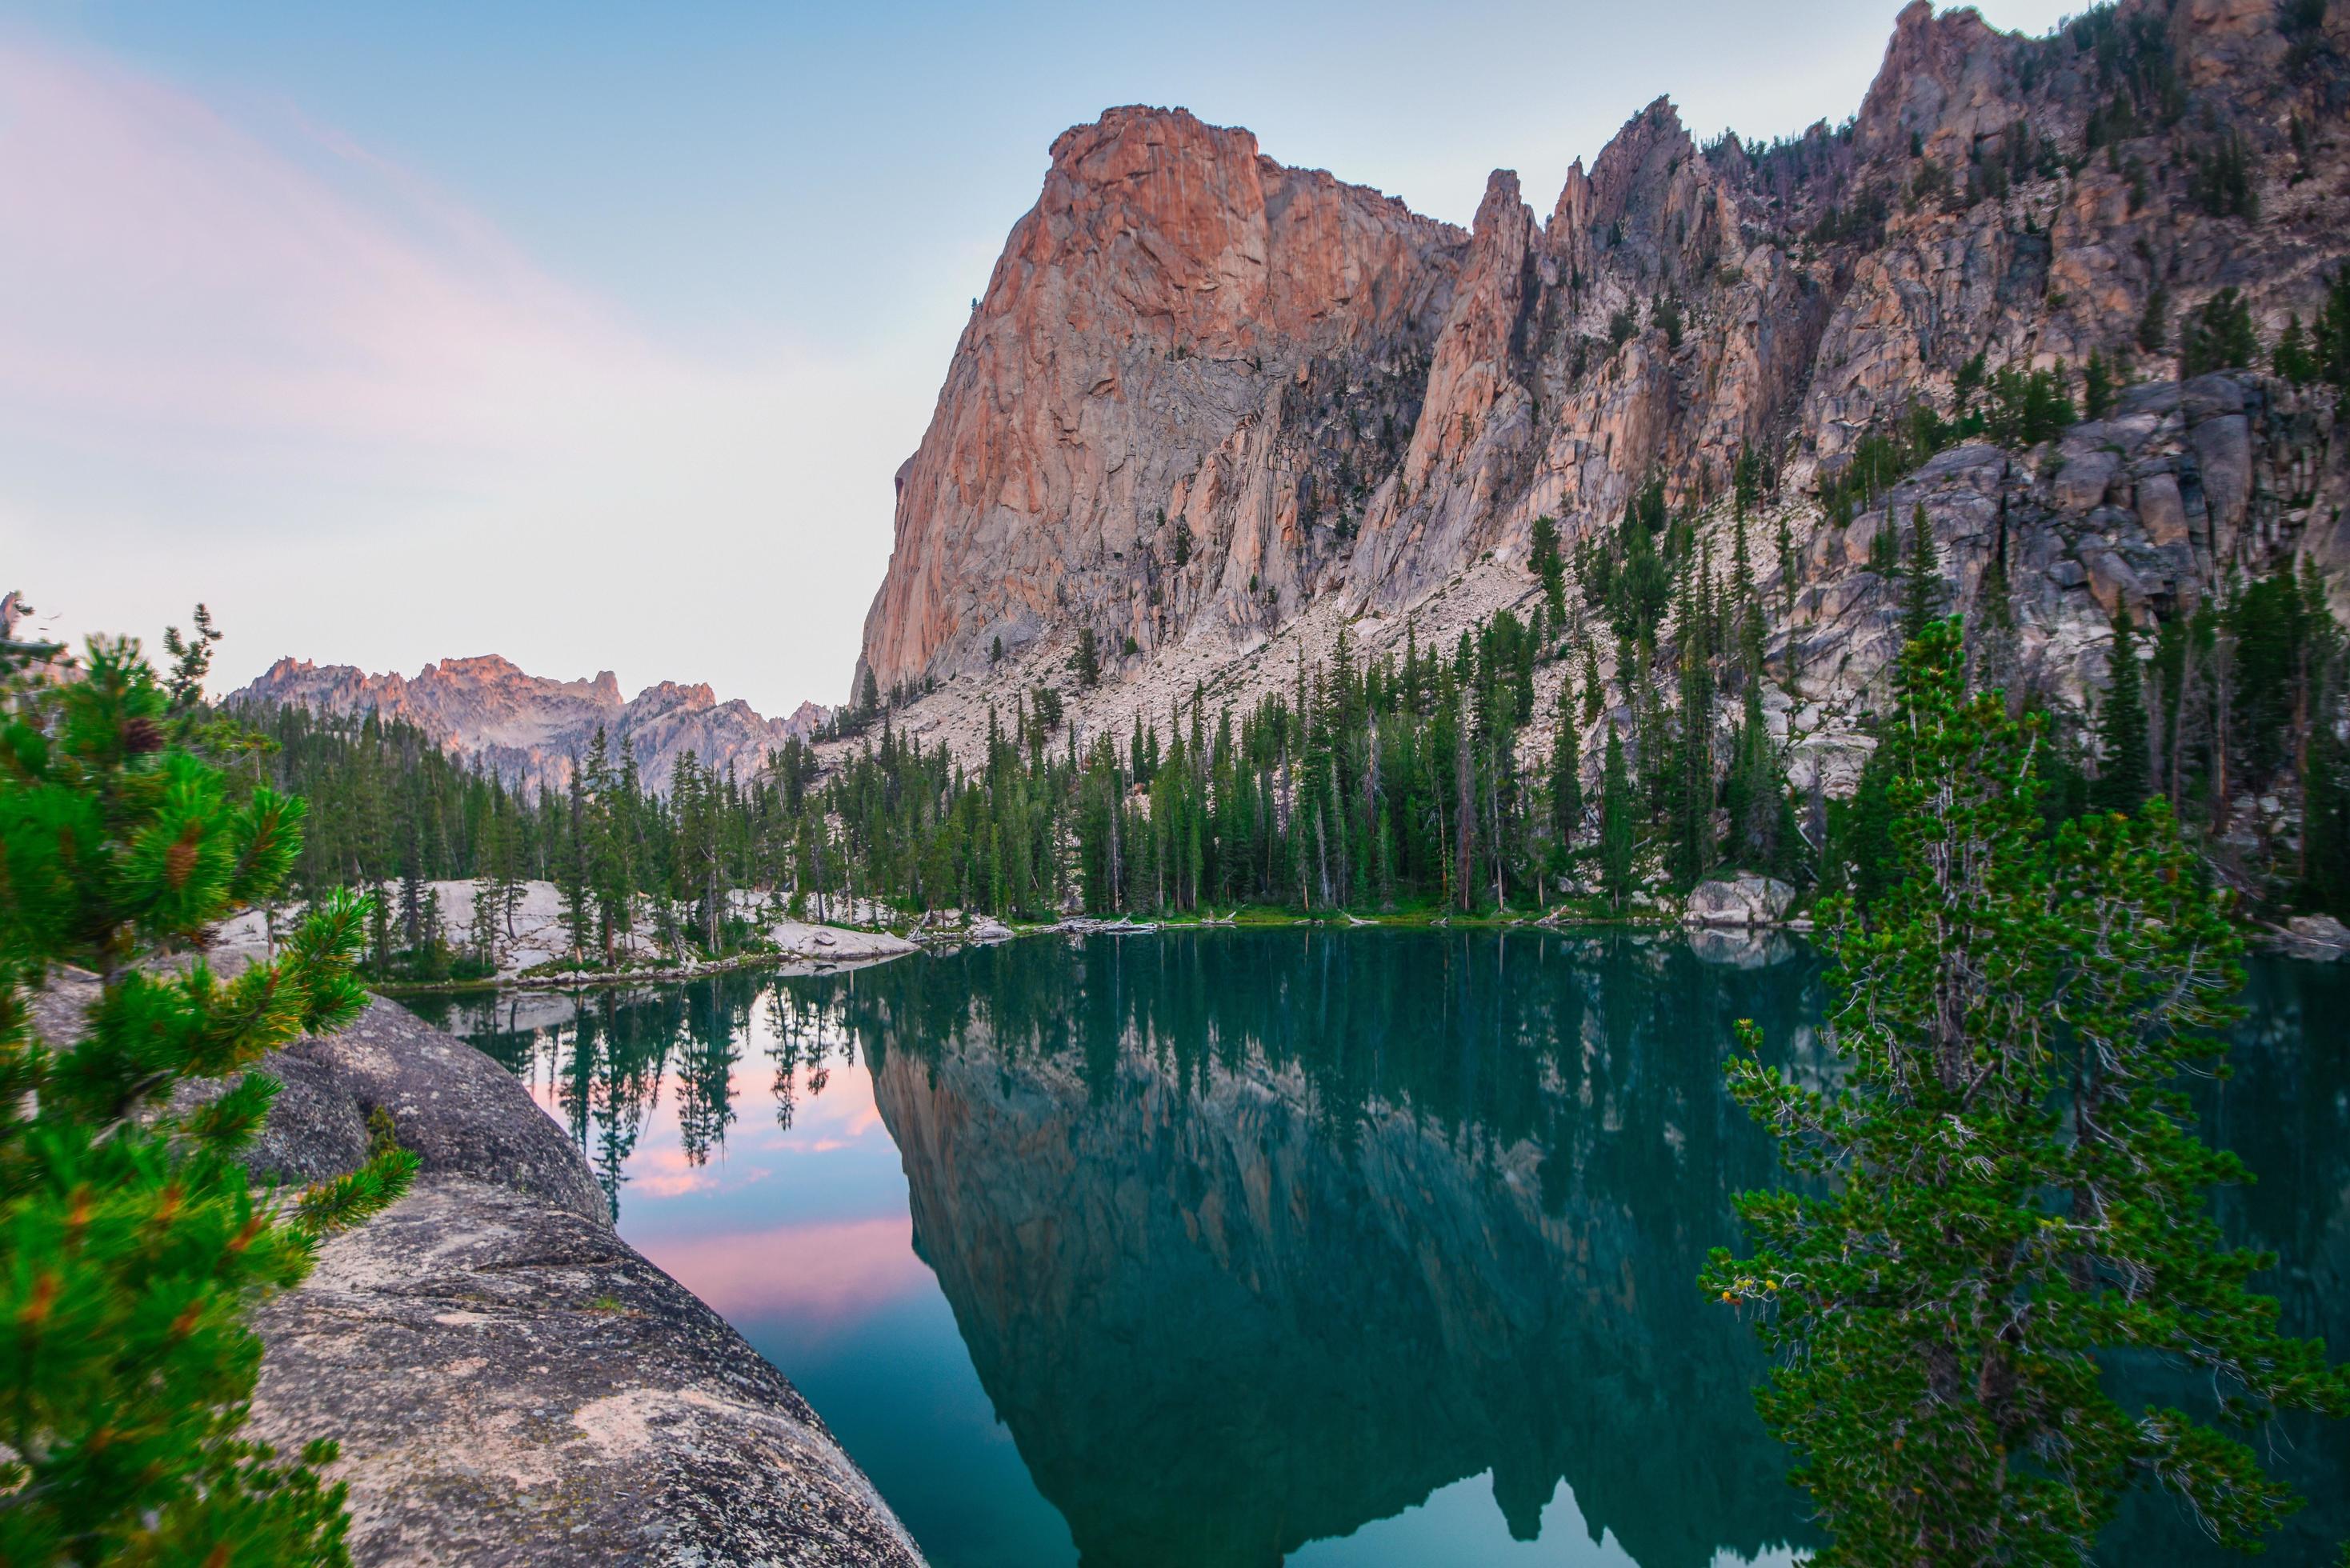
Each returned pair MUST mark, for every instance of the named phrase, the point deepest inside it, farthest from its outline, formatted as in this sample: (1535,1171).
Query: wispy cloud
(168,276)
(234,341)
(814,1275)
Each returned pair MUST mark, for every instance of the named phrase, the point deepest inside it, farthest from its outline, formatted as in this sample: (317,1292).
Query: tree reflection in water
(1253,1238)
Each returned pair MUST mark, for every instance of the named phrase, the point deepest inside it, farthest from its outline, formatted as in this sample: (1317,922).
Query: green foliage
(1565,779)
(2154,323)
(2097,386)
(1085,662)
(1616,833)
(2294,359)
(2026,407)
(2020,407)
(2218,337)
(1666,312)
(134,1244)
(1630,576)
(2220,179)
(2121,784)
(2332,334)
(2132,59)
(1922,589)
(1549,566)
(2009,1187)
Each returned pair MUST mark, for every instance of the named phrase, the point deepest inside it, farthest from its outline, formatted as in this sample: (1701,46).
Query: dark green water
(1352,1248)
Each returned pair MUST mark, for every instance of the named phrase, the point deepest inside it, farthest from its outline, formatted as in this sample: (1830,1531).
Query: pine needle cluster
(132,1243)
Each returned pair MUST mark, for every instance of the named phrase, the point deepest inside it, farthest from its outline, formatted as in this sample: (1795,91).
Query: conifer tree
(2097,387)
(1615,827)
(2018,1190)
(1565,779)
(2219,336)
(134,1244)
(1921,578)
(2330,341)
(2121,782)
(1549,567)
(2294,359)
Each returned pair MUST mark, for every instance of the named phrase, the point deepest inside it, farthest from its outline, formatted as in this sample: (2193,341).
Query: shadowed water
(1357,1247)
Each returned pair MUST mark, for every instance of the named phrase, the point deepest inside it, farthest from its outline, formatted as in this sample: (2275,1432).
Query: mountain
(1299,1285)
(1215,410)
(529,730)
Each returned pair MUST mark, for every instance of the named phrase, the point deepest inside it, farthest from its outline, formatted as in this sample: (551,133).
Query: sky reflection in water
(1347,1250)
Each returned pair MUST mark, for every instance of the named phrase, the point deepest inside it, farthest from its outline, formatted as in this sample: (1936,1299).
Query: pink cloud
(816,1274)
(167,272)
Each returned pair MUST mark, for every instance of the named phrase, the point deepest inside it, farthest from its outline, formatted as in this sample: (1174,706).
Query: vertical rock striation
(1205,393)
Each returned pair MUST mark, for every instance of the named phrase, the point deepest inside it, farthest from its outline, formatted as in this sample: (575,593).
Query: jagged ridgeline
(1271,544)
(2076,303)
(1206,394)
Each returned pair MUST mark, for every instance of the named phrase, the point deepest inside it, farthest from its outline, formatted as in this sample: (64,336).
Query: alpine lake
(1337,1248)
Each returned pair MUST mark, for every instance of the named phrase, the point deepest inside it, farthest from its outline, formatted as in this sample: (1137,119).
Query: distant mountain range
(531,730)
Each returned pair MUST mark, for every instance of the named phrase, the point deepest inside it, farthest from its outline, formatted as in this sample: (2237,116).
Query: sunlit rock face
(531,730)
(1284,1261)
(1205,394)
(1176,323)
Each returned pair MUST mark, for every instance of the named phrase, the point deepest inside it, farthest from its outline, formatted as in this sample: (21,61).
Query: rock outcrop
(531,730)
(510,1381)
(1210,402)
(1179,330)
(1743,900)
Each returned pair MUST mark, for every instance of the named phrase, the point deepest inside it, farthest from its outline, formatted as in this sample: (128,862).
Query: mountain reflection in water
(1252,1239)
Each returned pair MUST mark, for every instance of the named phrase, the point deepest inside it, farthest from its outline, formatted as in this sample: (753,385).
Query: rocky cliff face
(530,730)
(1176,335)
(1207,396)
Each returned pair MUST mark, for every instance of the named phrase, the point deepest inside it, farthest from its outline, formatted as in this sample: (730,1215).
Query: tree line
(1429,778)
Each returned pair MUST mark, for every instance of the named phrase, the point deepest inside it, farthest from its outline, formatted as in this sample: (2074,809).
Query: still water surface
(1341,1249)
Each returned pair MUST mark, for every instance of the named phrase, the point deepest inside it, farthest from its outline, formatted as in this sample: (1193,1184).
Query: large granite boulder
(1740,900)
(2320,937)
(510,1381)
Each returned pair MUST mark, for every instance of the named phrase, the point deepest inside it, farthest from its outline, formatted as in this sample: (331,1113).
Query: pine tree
(2097,387)
(2011,1185)
(1549,566)
(1565,779)
(2331,339)
(2121,782)
(1921,578)
(1615,829)
(135,1246)
(2218,337)
(2294,359)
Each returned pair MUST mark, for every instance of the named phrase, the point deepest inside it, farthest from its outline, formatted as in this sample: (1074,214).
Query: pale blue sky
(592,334)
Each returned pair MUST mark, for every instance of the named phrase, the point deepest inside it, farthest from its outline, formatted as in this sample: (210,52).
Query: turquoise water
(1333,1248)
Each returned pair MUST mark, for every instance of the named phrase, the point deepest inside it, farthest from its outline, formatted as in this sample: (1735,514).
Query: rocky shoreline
(510,1382)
